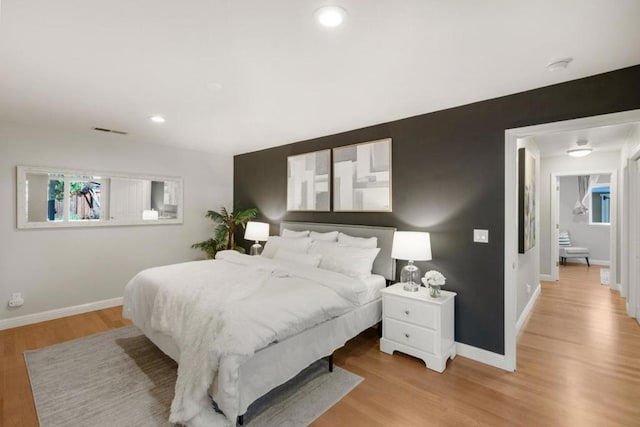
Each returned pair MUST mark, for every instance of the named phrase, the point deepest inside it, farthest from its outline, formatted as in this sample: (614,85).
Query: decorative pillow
(300,245)
(358,242)
(310,260)
(564,238)
(289,234)
(331,236)
(354,262)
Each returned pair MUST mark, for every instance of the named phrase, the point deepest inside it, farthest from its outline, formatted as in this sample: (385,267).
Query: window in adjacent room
(600,205)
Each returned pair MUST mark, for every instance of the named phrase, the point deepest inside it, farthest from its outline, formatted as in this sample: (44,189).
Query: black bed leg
(380,329)
(240,419)
(331,363)
(588,265)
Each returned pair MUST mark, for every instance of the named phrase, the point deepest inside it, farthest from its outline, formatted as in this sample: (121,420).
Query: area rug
(119,378)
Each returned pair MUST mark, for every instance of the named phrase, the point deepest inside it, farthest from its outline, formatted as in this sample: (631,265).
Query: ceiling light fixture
(157,119)
(330,16)
(581,151)
(559,65)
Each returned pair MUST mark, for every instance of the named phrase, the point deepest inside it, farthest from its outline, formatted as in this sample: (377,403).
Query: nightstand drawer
(411,335)
(410,311)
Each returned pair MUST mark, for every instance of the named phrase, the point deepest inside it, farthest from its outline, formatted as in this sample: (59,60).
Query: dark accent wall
(448,178)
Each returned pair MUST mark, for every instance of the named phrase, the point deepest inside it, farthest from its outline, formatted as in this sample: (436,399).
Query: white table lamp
(256,231)
(411,246)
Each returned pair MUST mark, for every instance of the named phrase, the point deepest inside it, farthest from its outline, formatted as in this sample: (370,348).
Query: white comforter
(232,306)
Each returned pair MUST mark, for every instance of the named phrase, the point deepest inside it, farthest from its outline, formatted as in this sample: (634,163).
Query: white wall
(629,242)
(596,161)
(529,262)
(57,268)
(593,236)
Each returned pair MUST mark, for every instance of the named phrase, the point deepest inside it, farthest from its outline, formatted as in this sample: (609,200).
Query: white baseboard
(527,309)
(483,356)
(601,262)
(546,278)
(29,319)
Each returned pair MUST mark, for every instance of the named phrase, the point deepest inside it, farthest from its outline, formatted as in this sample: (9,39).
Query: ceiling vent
(119,132)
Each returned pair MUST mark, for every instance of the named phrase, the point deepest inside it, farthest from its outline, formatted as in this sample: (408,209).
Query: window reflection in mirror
(54,198)
(84,199)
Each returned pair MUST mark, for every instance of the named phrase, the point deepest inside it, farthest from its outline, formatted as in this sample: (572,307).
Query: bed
(279,361)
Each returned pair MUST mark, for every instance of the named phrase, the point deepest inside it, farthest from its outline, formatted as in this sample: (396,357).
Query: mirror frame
(22,218)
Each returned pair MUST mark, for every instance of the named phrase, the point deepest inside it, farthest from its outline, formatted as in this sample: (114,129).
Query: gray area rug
(119,378)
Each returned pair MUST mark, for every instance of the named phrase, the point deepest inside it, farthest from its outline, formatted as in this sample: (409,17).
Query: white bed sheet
(279,362)
(375,283)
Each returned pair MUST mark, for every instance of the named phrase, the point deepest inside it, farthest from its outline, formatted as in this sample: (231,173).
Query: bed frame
(312,344)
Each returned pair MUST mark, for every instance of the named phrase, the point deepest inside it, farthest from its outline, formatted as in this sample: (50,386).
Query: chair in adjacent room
(567,250)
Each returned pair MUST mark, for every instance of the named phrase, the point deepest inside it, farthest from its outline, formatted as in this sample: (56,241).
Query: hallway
(589,348)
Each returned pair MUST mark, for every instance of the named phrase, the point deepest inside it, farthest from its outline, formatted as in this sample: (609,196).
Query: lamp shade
(411,246)
(257,231)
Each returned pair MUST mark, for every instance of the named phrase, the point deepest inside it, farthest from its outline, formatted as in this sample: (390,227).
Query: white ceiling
(237,76)
(606,138)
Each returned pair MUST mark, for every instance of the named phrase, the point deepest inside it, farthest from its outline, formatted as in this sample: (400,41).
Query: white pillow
(323,247)
(354,262)
(276,242)
(294,234)
(331,236)
(358,242)
(310,260)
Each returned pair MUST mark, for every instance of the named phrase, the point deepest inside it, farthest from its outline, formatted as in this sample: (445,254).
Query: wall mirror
(55,197)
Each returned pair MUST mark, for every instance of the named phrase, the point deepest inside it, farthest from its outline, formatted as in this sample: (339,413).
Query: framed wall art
(362,177)
(526,200)
(308,181)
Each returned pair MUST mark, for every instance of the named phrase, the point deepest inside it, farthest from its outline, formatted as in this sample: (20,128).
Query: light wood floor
(578,365)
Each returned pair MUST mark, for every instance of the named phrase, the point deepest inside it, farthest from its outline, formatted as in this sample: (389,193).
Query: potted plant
(226,225)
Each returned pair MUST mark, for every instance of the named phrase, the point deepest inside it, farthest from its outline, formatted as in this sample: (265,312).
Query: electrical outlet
(16,300)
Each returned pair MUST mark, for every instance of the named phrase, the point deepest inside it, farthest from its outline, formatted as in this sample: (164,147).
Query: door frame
(633,243)
(511,211)
(613,225)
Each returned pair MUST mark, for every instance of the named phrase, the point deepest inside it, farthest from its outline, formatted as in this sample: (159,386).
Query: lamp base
(411,286)
(410,277)
(256,249)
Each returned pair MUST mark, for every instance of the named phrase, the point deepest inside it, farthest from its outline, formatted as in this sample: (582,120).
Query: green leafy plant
(227,223)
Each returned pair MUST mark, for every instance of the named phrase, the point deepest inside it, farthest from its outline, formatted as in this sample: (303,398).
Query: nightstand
(416,324)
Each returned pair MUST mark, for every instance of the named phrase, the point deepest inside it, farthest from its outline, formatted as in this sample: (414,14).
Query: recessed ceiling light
(559,65)
(157,119)
(330,16)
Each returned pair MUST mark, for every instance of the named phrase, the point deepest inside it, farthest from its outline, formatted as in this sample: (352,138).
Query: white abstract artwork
(362,177)
(308,181)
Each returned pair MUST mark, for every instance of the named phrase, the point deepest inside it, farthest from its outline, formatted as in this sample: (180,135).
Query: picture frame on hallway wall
(526,200)
(362,177)
(308,178)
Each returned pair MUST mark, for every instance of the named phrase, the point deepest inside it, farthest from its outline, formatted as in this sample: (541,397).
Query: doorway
(589,220)
(511,212)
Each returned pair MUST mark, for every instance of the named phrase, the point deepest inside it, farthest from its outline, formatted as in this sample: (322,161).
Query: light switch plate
(480,236)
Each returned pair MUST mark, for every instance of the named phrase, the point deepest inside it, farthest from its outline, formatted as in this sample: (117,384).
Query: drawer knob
(407,335)
(407,312)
